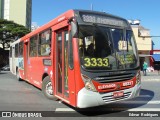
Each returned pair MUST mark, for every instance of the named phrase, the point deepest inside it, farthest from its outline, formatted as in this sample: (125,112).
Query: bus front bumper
(88,98)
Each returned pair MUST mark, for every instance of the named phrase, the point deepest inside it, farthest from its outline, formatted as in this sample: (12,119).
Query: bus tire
(47,89)
(17,75)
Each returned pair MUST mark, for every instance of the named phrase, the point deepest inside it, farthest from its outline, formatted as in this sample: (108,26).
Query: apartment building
(144,42)
(19,11)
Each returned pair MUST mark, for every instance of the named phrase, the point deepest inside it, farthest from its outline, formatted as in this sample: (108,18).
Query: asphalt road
(21,99)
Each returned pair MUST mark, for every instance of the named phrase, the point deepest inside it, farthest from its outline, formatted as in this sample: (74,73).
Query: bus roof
(15,42)
(98,12)
(62,17)
(65,16)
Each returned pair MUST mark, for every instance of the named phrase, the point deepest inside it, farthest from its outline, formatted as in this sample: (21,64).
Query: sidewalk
(151,76)
(155,73)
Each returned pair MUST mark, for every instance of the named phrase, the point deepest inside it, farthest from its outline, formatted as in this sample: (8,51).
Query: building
(34,26)
(18,11)
(1,8)
(144,42)
(155,52)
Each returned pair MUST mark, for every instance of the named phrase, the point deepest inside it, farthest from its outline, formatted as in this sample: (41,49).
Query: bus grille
(114,78)
(112,99)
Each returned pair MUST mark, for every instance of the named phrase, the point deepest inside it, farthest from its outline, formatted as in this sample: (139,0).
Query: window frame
(20,50)
(41,43)
(35,45)
(16,50)
(10,52)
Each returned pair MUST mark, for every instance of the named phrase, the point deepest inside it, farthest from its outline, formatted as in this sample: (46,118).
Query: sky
(147,11)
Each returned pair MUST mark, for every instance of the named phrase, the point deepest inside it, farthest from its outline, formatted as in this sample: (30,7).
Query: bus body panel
(79,84)
(74,92)
(13,65)
(113,86)
(60,29)
(52,23)
(77,81)
(14,60)
(90,99)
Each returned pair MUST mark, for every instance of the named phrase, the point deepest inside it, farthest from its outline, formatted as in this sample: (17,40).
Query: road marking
(133,109)
(151,79)
(145,96)
(112,109)
(154,102)
(64,109)
(144,109)
(121,109)
(139,102)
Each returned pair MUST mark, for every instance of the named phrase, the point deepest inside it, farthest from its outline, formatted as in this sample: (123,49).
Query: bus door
(13,60)
(26,61)
(64,75)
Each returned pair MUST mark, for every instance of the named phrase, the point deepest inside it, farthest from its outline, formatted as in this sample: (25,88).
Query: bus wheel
(17,75)
(47,89)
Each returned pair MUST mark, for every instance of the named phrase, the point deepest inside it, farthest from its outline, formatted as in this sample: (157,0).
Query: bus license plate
(118,94)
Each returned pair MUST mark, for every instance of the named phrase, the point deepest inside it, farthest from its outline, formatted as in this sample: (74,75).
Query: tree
(10,31)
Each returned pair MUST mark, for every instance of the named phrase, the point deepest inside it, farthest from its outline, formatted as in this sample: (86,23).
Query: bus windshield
(105,48)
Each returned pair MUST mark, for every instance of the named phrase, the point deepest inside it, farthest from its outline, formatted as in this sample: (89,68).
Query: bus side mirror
(73,33)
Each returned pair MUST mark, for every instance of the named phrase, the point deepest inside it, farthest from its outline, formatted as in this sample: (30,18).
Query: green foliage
(10,31)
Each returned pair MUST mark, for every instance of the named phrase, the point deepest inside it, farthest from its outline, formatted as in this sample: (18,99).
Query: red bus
(84,58)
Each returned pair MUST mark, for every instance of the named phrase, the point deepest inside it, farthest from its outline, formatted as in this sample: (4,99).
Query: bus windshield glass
(105,48)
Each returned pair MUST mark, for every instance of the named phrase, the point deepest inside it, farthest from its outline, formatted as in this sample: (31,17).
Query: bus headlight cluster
(138,78)
(88,83)
(89,86)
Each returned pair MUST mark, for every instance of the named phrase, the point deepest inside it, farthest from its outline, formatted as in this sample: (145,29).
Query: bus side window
(44,48)
(10,52)
(16,50)
(33,46)
(81,47)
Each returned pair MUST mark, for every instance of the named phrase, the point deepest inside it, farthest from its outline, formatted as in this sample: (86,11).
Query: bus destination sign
(102,20)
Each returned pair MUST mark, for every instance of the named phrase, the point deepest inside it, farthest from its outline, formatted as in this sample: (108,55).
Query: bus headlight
(138,78)
(89,86)
(88,83)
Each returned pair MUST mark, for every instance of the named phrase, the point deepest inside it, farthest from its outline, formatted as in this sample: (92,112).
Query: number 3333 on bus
(96,62)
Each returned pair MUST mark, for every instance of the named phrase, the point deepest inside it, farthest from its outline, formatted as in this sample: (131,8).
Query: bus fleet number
(96,62)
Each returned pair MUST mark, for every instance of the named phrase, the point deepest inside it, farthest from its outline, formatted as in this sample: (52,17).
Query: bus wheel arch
(44,75)
(47,87)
